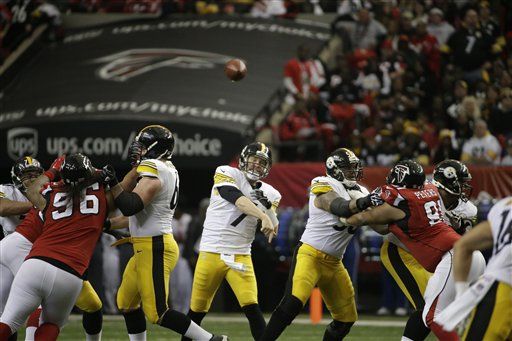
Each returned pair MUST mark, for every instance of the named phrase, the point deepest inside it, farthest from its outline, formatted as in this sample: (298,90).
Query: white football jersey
(323,230)
(463,215)
(226,229)
(156,218)
(500,218)
(9,191)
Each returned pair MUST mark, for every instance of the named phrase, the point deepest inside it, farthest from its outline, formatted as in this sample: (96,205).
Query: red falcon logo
(124,65)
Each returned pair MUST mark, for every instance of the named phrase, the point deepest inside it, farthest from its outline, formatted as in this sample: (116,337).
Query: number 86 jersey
(226,229)
(422,230)
(155,219)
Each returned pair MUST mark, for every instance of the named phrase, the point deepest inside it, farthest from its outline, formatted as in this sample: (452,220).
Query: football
(235,70)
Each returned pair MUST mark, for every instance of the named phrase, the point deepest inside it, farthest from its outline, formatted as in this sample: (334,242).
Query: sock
(183,325)
(93,337)
(47,332)
(415,330)
(135,323)
(13,337)
(92,323)
(441,334)
(256,321)
(5,331)
(138,336)
(281,318)
(405,338)
(337,330)
(197,318)
(32,324)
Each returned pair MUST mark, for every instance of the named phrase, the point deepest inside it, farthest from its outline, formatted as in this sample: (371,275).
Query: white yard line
(242,319)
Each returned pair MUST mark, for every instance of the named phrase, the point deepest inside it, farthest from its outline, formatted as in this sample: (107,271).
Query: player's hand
(375,197)
(267,228)
(259,196)
(135,153)
(53,173)
(108,176)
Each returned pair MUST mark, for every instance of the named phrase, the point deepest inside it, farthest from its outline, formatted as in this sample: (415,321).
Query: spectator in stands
(470,48)
(500,120)
(447,148)
(427,47)
(298,74)
(194,232)
(507,158)
(364,32)
(299,124)
(267,8)
(387,151)
(460,91)
(487,22)
(438,27)
(411,146)
(483,148)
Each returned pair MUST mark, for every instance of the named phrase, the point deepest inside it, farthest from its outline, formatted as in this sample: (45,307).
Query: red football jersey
(72,226)
(422,230)
(31,226)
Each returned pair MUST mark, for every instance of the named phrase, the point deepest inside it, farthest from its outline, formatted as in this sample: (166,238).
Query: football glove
(53,172)
(108,176)
(135,153)
(258,195)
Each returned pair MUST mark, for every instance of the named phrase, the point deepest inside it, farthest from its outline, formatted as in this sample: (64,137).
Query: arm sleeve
(230,193)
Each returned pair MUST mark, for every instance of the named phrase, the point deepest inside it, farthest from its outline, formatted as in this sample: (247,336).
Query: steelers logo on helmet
(343,165)
(25,168)
(255,161)
(157,142)
(453,176)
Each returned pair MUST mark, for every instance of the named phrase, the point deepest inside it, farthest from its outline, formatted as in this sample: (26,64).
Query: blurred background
(391,80)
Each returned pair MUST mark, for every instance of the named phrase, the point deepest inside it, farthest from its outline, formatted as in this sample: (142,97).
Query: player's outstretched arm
(115,223)
(33,192)
(245,205)
(333,203)
(379,215)
(10,207)
(479,238)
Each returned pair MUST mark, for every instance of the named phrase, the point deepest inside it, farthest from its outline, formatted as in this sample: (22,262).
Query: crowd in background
(426,80)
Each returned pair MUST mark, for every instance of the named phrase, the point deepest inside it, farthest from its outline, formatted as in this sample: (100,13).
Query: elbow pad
(230,193)
(340,207)
(129,203)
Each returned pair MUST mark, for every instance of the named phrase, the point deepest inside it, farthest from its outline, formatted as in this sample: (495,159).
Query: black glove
(135,153)
(258,195)
(372,199)
(108,176)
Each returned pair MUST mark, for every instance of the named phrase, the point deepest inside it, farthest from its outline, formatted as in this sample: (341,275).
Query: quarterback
(238,199)
(317,258)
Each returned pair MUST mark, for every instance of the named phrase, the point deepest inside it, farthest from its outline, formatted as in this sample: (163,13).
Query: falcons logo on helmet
(127,64)
(401,171)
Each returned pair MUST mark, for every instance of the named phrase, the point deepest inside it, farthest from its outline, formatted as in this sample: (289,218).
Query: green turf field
(370,328)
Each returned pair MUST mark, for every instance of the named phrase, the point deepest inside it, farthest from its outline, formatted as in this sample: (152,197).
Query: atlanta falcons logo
(401,171)
(127,64)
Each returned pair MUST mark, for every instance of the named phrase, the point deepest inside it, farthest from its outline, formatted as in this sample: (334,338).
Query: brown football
(235,70)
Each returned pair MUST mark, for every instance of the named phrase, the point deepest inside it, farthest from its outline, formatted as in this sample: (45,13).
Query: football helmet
(453,176)
(76,170)
(255,170)
(406,173)
(24,168)
(156,141)
(343,165)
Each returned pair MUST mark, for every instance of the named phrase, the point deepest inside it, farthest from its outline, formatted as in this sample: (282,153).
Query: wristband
(340,207)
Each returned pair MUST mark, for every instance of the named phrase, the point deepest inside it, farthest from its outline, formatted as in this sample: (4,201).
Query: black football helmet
(76,170)
(453,176)
(24,168)
(157,142)
(343,165)
(254,170)
(406,173)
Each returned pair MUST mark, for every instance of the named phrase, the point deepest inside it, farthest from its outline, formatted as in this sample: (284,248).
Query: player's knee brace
(337,330)
(135,321)
(92,322)
(256,320)
(288,309)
